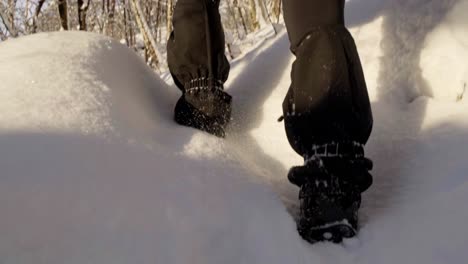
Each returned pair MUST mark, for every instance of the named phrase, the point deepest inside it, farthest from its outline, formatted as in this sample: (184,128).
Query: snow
(94,170)
(443,60)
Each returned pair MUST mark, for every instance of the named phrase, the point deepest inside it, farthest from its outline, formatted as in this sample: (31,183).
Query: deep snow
(93,169)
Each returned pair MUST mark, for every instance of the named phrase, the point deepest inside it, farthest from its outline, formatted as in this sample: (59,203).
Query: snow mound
(68,196)
(412,48)
(444,58)
(70,199)
(75,82)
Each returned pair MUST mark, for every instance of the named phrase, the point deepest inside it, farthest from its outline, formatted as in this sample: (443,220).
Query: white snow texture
(94,170)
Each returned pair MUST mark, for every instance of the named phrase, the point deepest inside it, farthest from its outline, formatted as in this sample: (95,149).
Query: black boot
(331,183)
(327,102)
(204,107)
(195,53)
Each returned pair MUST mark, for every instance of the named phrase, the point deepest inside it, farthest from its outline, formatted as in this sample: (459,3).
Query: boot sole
(334,232)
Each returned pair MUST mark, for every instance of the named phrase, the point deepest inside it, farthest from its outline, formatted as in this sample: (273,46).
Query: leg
(328,118)
(196,59)
(327,101)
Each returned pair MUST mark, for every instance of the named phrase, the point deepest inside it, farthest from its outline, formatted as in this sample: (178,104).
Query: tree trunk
(253,15)
(82,10)
(26,15)
(36,15)
(158,20)
(127,40)
(169,18)
(233,16)
(2,35)
(236,5)
(11,13)
(110,17)
(63,12)
(262,13)
(103,17)
(148,38)
(277,9)
(6,21)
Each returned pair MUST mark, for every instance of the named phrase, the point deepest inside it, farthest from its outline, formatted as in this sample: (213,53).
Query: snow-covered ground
(93,169)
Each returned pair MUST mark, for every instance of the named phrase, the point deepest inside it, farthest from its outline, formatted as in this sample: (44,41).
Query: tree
(63,12)
(128,20)
(277,9)
(169,17)
(82,10)
(150,45)
(36,15)
(7,17)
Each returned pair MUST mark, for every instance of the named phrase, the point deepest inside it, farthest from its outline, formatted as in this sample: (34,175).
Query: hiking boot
(330,195)
(205,106)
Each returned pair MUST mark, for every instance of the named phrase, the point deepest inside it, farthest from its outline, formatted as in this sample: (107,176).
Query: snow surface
(93,169)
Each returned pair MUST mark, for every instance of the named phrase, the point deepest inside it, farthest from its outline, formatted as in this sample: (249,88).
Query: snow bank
(68,196)
(40,91)
(71,82)
(445,55)
(70,199)
(412,48)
